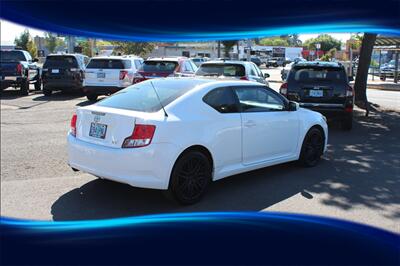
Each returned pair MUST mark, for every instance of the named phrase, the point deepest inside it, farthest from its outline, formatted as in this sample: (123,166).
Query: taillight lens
(244,78)
(19,69)
(284,89)
(141,136)
(123,74)
(72,130)
(138,78)
(349,92)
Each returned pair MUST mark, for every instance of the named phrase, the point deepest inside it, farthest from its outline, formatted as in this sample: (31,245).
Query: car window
(108,63)
(228,70)
(309,74)
(138,64)
(253,70)
(258,71)
(60,61)
(256,99)
(187,67)
(142,97)
(193,65)
(159,66)
(28,56)
(12,56)
(222,99)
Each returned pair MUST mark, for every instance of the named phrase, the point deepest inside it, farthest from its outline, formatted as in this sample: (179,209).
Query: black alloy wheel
(190,177)
(312,149)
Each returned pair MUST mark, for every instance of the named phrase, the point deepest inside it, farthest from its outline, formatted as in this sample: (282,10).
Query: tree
(360,85)
(52,41)
(136,48)
(22,40)
(327,43)
(274,41)
(355,41)
(86,47)
(31,48)
(25,42)
(228,46)
(292,39)
(329,55)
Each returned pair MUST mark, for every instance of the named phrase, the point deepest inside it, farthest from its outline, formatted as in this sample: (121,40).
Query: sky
(11,30)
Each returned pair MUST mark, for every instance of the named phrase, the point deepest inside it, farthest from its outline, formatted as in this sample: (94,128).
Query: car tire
(190,178)
(347,123)
(38,85)
(47,92)
(24,89)
(383,78)
(92,97)
(312,148)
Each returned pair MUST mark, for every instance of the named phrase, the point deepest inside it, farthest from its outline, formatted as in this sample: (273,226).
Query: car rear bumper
(146,167)
(62,84)
(330,110)
(101,90)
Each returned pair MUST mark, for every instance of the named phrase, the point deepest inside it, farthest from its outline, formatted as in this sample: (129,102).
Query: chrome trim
(322,104)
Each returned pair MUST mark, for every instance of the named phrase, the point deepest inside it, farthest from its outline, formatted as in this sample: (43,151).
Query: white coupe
(179,134)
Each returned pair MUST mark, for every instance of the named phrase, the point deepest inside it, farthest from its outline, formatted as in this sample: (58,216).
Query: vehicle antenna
(162,106)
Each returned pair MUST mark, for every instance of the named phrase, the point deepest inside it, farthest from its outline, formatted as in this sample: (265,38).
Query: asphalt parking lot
(358,179)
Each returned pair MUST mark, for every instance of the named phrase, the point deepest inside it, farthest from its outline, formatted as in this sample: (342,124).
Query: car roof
(243,63)
(167,58)
(200,81)
(75,55)
(318,64)
(117,57)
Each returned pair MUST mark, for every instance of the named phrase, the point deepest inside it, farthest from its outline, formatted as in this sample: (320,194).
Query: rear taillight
(349,91)
(72,130)
(19,69)
(284,89)
(138,78)
(348,109)
(141,136)
(244,78)
(123,74)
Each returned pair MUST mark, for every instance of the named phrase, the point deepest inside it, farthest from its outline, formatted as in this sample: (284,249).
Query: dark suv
(322,87)
(63,72)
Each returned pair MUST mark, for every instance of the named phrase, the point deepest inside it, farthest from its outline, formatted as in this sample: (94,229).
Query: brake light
(19,69)
(348,109)
(138,78)
(72,130)
(244,78)
(123,74)
(284,89)
(141,136)
(349,92)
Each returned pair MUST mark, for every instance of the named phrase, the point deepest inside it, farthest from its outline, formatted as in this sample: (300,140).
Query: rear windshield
(310,74)
(60,62)
(12,56)
(228,70)
(159,66)
(143,98)
(109,64)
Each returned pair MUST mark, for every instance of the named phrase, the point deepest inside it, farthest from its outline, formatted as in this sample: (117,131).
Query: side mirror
(35,60)
(266,75)
(351,78)
(293,106)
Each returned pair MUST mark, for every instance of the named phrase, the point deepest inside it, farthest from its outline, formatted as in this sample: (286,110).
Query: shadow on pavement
(59,96)
(360,169)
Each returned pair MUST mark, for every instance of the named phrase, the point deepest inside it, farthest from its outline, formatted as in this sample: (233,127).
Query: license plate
(55,71)
(101,75)
(316,93)
(98,130)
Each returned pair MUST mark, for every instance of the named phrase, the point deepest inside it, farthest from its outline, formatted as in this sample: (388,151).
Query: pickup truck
(18,70)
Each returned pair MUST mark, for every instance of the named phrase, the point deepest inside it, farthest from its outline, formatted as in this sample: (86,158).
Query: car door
(269,131)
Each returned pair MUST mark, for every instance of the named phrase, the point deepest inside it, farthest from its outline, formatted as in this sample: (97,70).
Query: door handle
(250,123)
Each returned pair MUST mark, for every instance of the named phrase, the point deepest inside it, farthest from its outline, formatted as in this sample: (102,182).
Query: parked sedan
(232,69)
(179,134)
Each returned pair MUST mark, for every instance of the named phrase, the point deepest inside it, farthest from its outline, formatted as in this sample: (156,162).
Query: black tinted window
(228,70)
(60,62)
(310,74)
(109,64)
(258,99)
(12,56)
(159,66)
(222,100)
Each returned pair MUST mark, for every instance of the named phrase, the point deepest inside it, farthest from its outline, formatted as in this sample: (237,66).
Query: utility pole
(71,44)
(219,49)
(248,50)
